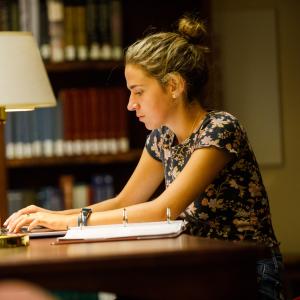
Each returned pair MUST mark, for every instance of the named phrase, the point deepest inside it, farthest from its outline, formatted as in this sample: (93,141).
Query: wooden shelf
(72,66)
(130,156)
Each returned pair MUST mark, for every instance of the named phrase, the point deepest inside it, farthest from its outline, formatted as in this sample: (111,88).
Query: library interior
(83,148)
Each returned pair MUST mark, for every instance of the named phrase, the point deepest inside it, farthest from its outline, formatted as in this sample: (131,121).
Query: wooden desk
(186,267)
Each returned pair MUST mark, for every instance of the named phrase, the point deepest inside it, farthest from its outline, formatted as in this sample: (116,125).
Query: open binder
(127,231)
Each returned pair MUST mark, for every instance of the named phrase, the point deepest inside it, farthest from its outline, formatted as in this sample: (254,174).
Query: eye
(137,92)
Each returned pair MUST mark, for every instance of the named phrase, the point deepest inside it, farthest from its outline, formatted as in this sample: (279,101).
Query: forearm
(109,204)
(143,212)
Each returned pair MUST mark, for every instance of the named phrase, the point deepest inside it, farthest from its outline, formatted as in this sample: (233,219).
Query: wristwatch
(84,215)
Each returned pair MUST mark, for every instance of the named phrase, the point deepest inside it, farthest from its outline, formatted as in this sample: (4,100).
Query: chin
(152,126)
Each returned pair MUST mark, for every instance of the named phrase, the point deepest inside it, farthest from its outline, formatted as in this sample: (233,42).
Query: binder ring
(125,217)
(168,214)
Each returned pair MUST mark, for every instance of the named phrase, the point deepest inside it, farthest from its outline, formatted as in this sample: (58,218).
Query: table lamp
(24,85)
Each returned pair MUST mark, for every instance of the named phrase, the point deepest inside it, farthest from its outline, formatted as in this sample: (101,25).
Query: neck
(187,121)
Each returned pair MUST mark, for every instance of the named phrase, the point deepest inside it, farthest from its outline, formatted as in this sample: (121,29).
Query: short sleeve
(154,144)
(223,131)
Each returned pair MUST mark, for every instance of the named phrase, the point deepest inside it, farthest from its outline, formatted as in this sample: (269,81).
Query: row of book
(88,121)
(68,29)
(68,194)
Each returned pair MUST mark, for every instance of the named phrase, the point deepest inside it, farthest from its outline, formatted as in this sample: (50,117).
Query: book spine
(69,34)
(77,117)
(24,15)
(86,122)
(122,126)
(104,29)
(102,188)
(113,120)
(92,29)
(92,99)
(4,15)
(19,141)
(14,15)
(38,135)
(68,121)
(48,131)
(81,30)
(56,29)
(103,118)
(34,22)
(50,198)
(45,48)
(15,201)
(81,193)
(66,185)
(116,29)
(26,132)
(58,130)
(9,136)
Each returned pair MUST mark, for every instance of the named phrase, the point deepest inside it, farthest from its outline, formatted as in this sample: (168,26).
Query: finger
(14,226)
(22,221)
(26,210)
(36,222)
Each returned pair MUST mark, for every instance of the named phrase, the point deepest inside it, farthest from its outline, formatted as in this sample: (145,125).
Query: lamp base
(14,240)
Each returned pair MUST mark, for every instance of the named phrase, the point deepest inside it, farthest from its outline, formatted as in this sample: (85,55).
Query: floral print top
(235,205)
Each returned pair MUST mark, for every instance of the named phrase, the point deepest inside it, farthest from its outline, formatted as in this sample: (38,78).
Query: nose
(132,106)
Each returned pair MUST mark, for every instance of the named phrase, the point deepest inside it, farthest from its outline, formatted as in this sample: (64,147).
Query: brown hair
(182,52)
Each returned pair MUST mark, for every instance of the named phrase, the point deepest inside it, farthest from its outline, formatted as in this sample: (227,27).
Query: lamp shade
(24,83)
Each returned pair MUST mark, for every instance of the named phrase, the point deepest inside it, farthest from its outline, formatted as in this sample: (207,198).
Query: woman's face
(148,99)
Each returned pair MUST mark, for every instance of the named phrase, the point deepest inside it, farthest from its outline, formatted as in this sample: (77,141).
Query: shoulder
(220,119)
(222,130)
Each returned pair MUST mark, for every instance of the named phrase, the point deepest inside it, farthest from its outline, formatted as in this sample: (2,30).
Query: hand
(24,211)
(46,219)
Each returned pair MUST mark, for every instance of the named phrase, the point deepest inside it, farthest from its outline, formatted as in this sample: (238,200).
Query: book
(9,136)
(24,15)
(50,197)
(14,15)
(80,30)
(56,29)
(92,29)
(69,33)
(130,231)
(102,188)
(44,31)
(34,19)
(104,29)
(66,185)
(116,29)
(4,15)
(81,195)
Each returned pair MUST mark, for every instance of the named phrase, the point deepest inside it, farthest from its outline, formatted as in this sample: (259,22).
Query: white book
(144,230)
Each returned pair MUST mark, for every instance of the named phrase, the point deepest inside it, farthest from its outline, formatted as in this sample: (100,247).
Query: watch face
(85,213)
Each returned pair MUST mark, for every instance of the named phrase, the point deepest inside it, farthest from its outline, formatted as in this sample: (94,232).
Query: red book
(93,116)
(103,119)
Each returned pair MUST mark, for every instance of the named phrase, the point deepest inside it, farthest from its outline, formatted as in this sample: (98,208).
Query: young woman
(211,175)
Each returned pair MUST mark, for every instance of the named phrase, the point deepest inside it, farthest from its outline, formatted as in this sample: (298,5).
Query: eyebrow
(134,86)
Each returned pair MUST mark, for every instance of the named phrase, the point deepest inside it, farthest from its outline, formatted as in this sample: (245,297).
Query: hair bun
(193,30)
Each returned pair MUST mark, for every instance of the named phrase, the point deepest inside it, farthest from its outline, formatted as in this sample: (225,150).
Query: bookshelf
(138,17)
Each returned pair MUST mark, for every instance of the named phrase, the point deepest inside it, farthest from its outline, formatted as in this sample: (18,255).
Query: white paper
(134,230)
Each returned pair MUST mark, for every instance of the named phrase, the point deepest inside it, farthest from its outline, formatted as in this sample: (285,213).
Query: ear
(176,85)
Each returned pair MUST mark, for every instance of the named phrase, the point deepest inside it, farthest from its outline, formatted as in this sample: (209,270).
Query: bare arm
(203,166)
(145,179)
(139,188)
